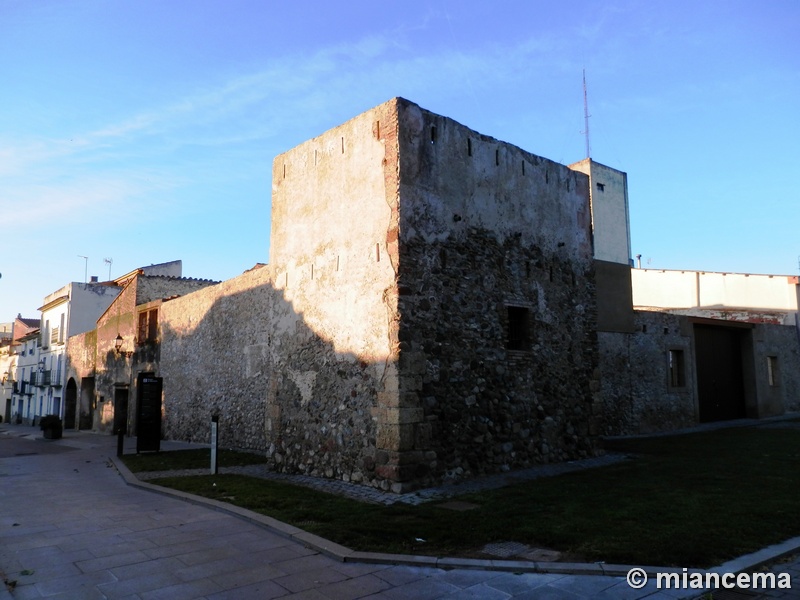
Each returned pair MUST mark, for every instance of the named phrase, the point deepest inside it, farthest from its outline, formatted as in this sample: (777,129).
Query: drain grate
(505,549)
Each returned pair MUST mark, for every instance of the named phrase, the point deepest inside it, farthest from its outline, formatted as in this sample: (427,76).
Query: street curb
(746,563)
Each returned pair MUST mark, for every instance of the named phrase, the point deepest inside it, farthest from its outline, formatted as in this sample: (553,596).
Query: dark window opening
(148,326)
(518,328)
(469,147)
(677,372)
(433,135)
(601,187)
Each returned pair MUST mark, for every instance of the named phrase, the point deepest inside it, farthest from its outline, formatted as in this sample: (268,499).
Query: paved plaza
(71,527)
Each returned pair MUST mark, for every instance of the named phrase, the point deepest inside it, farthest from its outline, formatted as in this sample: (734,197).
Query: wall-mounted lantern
(118,347)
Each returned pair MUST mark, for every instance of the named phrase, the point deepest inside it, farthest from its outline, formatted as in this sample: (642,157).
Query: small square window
(677,371)
(518,337)
(772,370)
(601,187)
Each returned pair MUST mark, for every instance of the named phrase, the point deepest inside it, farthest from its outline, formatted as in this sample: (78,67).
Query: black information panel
(148,420)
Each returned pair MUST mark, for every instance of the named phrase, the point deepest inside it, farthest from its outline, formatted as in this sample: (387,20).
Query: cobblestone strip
(373,496)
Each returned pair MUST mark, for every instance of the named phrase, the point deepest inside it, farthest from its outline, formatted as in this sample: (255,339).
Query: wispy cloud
(103,167)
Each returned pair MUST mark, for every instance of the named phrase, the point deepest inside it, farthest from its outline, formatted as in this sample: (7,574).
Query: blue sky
(145,131)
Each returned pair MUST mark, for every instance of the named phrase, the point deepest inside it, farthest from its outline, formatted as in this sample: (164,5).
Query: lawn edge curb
(744,563)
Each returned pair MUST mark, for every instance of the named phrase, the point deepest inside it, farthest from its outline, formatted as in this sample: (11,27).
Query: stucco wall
(694,289)
(87,303)
(610,219)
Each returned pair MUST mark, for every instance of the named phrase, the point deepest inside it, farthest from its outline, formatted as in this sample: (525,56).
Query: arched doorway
(87,403)
(71,405)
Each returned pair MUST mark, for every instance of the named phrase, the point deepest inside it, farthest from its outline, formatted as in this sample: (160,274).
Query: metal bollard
(214,440)
(120,440)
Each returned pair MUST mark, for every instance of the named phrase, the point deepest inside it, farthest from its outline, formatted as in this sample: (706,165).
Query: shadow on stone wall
(277,386)
(456,404)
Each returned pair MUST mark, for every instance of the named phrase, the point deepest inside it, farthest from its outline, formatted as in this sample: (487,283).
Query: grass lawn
(188,459)
(686,501)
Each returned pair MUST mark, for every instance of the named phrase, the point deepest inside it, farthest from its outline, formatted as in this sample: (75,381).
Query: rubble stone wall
(485,226)
(149,288)
(214,361)
(374,347)
(636,389)
(333,330)
(780,345)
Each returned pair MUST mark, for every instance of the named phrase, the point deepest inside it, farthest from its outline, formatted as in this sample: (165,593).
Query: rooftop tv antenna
(109,262)
(85,267)
(586,116)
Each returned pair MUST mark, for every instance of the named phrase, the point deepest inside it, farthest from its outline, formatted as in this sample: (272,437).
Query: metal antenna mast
(109,262)
(586,116)
(85,267)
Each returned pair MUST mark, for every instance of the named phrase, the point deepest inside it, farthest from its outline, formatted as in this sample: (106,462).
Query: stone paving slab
(82,533)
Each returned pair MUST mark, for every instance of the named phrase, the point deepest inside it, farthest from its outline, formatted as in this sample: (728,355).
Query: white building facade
(68,311)
(25,393)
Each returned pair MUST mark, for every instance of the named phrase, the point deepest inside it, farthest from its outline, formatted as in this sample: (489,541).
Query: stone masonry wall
(81,357)
(333,336)
(149,288)
(374,346)
(484,226)
(636,390)
(781,344)
(114,369)
(214,361)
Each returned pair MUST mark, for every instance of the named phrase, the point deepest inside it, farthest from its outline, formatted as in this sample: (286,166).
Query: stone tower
(438,304)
